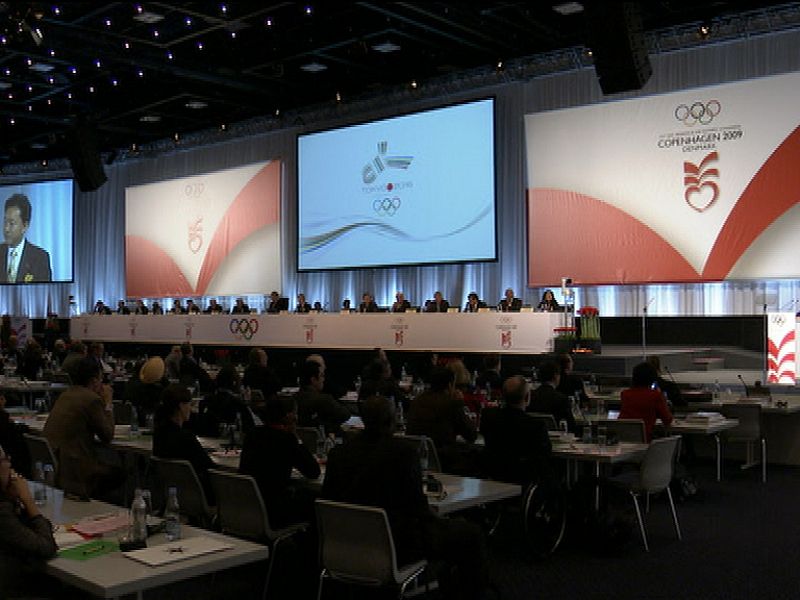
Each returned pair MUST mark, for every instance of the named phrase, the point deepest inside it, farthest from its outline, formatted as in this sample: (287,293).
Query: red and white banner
(781,348)
(209,235)
(697,185)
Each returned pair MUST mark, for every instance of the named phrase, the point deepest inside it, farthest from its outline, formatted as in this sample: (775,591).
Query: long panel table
(114,575)
(527,332)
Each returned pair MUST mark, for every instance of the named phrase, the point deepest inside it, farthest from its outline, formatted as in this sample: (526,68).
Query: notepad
(178,550)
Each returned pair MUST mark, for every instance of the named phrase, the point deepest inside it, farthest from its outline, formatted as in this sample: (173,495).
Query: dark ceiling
(145,72)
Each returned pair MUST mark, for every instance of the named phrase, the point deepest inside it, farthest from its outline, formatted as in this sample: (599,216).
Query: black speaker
(84,158)
(617,41)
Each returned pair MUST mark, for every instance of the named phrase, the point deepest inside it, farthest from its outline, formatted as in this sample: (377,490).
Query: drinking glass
(601,436)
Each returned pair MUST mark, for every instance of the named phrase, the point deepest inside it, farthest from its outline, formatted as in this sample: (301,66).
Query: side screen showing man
(22,261)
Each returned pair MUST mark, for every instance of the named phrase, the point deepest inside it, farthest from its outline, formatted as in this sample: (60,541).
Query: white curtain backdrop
(99,216)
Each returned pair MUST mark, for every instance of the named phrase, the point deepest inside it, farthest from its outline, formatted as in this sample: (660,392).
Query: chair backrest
(626,430)
(240,507)
(40,451)
(123,413)
(658,464)
(181,474)
(547,419)
(355,543)
(749,415)
(433,457)
(309,436)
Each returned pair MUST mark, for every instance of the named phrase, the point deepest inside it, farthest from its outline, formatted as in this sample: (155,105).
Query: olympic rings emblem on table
(698,112)
(246,328)
(386,206)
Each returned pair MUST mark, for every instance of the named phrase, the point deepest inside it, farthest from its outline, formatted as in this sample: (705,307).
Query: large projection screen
(413,189)
(697,185)
(39,249)
(216,234)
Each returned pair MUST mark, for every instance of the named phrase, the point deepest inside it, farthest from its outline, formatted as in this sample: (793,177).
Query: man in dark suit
(302,305)
(22,262)
(474,303)
(509,303)
(240,308)
(277,303)
(547,399)
(400,305)
(517,446)
(377,469)
(438,304)
(122,309)
(367,304)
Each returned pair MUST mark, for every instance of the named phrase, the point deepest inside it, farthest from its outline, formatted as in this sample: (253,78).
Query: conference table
(522,332)
(113,574)
(685,426)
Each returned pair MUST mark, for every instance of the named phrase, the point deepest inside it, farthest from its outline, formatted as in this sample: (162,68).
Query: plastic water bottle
(716,395)
(403,373)
(138,517)
(172,517)
(134,422)
(399,416)
(39,492)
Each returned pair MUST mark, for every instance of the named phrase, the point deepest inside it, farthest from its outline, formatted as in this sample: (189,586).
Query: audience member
(191,374)
(548,400)
(269,454)
(641,401)
(77,352)
(509,303)
(439,414)
(367,304)
(670,388)
(259,376)
(548,302)
(82,413)
(517,447)
(171,440)
(11,438)
(400,304)
(377,469)
(228,404)
(315,408)
(145,386)
(464,389)
(490,375)
(474,303)
(569,383)
(27,540)
(173,363)
(59,352)
(32,361)
(377,380)
(438,304)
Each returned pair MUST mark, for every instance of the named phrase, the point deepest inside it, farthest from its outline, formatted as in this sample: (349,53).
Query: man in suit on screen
(22,262)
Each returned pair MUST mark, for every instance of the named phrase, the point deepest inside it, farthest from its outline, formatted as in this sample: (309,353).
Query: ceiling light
(308,9)
(199,45)
(338,97)
(38,146)
(41,67)
(196,104)
(146,16)
(56,10)
(268,22)
(188,21)
(386,47)
(568,8)
(704,31)
(108,22)
(313,67)
(414,84)
(149,119)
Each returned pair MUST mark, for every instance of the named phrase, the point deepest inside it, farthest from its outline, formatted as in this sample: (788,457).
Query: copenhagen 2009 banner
(697,185)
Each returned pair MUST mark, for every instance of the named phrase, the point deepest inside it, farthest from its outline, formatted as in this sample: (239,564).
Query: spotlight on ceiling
(386,47)
(313,67)
(568,8)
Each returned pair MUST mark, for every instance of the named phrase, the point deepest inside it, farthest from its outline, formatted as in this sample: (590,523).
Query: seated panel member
(367,304)
(277,303)
(22,262)
(240,308)
(548,302)
(302,305)
(178,308)
(141,308)
(400,304)
(438,304)
(157,308)
(122,309)
(192,308)
(509,303)
(213,307)
(473,303)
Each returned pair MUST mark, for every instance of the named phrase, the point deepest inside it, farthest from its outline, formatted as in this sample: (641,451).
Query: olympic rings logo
(698,112)
(245,328)
(386,206)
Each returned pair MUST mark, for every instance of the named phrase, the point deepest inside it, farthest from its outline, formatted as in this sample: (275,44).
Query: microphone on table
(746,392)
(666,368)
